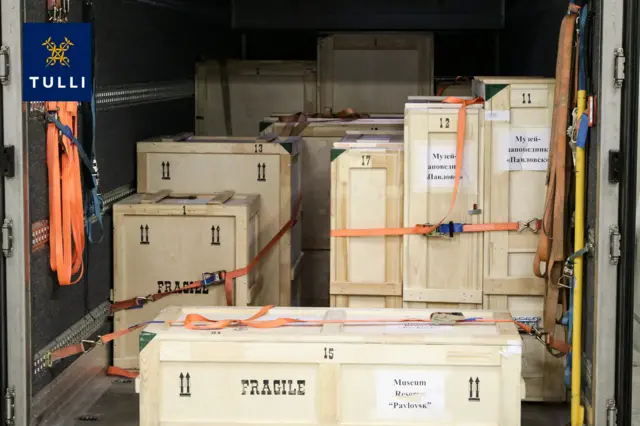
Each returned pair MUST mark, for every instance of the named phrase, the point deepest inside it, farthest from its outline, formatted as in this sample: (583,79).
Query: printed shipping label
(410,394)
(527,149)
(439,166)
(497,115)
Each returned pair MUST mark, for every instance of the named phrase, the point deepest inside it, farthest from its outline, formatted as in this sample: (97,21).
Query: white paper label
(527,149)
(439,165)
(497,115)
(410,394)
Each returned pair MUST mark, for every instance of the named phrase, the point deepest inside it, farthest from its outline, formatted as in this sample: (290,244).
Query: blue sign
(56,62)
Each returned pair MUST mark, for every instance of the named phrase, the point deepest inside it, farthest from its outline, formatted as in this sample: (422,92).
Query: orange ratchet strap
(296,123)
(199,322)
(215,277)
(66,213)
(428,229)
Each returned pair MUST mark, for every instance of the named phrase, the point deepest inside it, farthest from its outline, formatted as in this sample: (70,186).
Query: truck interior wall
(134,46)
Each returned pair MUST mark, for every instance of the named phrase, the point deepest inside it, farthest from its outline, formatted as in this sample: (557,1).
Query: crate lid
(270,143)
(514,80)
(358,140)
(375,326)
(164,202)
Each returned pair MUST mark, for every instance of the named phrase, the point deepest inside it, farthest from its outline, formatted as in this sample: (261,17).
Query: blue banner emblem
(56,62)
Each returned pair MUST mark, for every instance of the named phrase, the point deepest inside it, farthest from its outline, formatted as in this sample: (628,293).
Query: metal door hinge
(5,66)
(10,406)
(618,70)
(8,161)
(7,238)
(612,413)
(614,244)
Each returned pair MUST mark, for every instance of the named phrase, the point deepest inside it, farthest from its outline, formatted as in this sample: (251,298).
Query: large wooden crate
(268,167)
(453,87)
(162,244)
(231,99)
(318,137)
(517,130)
(373,73)
(441,271)
(385,373)
(367,175)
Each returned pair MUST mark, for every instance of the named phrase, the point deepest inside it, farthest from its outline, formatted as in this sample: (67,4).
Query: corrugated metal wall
(138,45)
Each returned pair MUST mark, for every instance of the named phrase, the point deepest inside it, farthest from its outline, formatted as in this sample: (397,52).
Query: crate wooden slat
(401,374)
(367,175)
(518,114)
(270,168)
(373,72)
(441,271)
(167,243)
(318,137)
(253,89)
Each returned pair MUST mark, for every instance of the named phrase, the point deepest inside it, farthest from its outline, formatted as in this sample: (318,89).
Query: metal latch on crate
(530,321)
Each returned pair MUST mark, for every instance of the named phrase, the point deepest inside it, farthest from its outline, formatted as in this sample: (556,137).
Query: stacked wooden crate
(164,242)
(367,175)
(317,138)
(232,97)
(373,73)
(268,167)
(517,128)
(504,161)
(207,204)
(442,272)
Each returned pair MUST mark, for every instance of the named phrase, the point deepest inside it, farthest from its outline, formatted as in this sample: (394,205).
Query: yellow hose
(577,410)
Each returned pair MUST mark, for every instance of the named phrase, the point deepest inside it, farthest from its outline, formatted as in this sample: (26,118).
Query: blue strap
(582,74)
(92,202)
(450,228)
(567,320)
(583,131)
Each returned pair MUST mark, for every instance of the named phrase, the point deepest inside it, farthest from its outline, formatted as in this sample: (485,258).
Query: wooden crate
(514,190)
(441,271)
(373,72)
(161,244)
(392,374)
(270,168)
(318,137)
(232,99)
(453,87)
(367,175)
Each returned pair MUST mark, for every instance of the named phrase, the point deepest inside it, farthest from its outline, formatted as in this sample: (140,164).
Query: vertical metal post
(17,209)
(607,130)
(627,213)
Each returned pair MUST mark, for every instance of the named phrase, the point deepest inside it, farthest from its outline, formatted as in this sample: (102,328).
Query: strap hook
(532,225)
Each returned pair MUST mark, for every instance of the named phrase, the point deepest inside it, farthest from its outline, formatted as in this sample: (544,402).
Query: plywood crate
(441,271)
(367,175)
(517,130)
(453,87)
(162,244)
(386,373)
(232,99)
(318,136)
(268,167)
(373,73)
